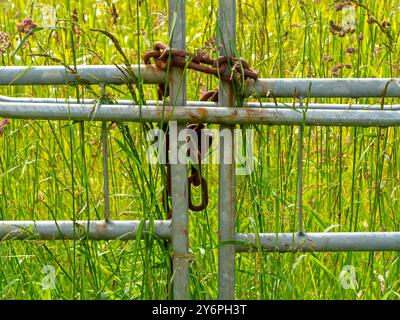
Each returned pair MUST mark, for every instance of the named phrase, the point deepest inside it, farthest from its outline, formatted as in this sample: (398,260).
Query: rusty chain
(196,178)
(165,57)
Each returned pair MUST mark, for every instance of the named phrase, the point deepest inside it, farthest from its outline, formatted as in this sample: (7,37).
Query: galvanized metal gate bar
(75,230)
(59,75)
(225,113)
(226,37)
(179,181)
(320,88)
(319,242)
(205,104)
(149,74)
(210,114)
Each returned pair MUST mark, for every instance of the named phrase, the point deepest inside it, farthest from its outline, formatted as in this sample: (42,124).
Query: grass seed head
(26,26)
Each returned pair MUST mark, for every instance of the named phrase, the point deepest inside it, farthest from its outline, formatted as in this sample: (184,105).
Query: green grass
(53,170)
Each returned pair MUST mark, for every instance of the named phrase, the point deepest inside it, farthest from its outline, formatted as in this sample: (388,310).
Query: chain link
(165,57)
(197,179)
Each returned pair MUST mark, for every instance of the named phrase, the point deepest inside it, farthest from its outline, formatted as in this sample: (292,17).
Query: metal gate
(223,113)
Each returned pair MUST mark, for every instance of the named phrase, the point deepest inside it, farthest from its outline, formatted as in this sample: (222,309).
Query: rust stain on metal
(265,87)
(252,111)
(102,227)
(201,114)
(182,230)
(165,112)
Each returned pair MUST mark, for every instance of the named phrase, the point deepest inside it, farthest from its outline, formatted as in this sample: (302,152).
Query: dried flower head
(26,26)
(340,5)
(5,42)
(350,50)
(3,125)
(334,28)
(311,73)
(371,20)
(327,58)
(336,70)
(340,31)
(74,16)
(210,43)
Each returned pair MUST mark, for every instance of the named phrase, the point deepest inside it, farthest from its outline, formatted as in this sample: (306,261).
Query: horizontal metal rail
(59,75)
(265,116)
(111,74)
(127,230)
(206,104)
(325,88)
(92,230)
(319,242)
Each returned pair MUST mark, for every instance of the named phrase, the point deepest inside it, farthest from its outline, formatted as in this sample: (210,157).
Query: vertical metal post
(104,140)
(300,175)
(179,184)
(226,37)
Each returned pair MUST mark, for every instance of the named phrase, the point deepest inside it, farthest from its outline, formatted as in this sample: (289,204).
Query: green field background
(53,169)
